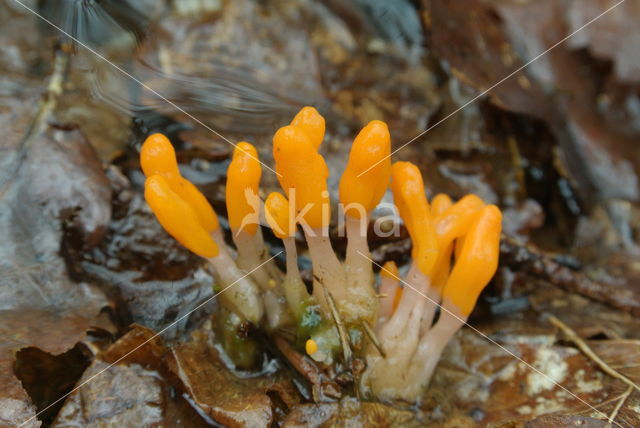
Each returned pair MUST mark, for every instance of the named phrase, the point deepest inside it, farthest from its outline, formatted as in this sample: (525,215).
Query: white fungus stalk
(362,185)
(360,302)
(327,270)
(389,292)
(240,292)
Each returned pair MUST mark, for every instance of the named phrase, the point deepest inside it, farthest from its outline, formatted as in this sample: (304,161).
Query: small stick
(602,404)
(373,338)
(342,331)
(573,337)
(624,397)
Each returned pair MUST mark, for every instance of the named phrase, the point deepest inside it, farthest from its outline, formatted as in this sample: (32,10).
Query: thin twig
(624,397)
(373,338)
(601,404)
(573,337)
(342,331)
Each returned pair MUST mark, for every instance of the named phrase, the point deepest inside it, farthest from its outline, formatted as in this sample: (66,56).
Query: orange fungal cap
(390,270)
(312,123)
(478,260)
(455,221)
(372,146)
(408,194)
(197,201)
(440,203)
(302,175)
(177,217)
(243,181)
(157,156)
(276,212)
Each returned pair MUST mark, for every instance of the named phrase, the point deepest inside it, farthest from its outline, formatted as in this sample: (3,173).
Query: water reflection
(240,67)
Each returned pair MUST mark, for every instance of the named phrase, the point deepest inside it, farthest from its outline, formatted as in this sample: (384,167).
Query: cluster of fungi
(393,324)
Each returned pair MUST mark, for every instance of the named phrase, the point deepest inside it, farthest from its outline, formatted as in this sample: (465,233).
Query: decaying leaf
(49,331)
(231,400)
(565,421)
(50,181)
(350,413)
(128,384)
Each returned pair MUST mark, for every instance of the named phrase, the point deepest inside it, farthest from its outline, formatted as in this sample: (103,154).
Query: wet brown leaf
(134,391)
(40,306)
(564,421)
(350,413)
(51,332)
(231,400)
(494,38)
(481,383)
(614,36)
(50,181)
(48,377)
(622,355)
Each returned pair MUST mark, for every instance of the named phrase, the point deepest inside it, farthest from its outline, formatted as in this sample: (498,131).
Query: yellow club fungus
(157,157)
(359,194)
(312,123)
(303,176)
(408,344)
(361,189)
(278,216)
(243,182)
(478,260)
(177,217)
(409,197)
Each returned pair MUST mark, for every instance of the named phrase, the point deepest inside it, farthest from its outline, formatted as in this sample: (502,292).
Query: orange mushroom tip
(312,123)
(368,170)
(468,204)
(243,182)
(276,212)
(178,217)
(477,262)
(302,175)
(157,156)
(409,196)
(197,201)
(390,270)
(454,222)
(440,203)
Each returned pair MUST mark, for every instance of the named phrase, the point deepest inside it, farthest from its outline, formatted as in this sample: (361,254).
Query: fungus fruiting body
(187,216)
(361,189)
(455,247)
